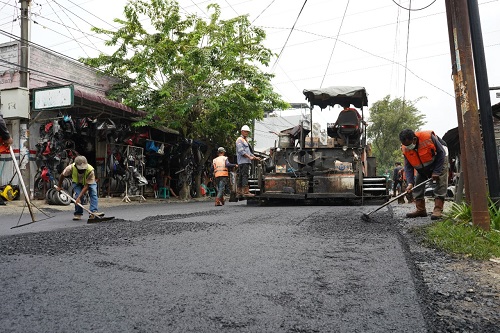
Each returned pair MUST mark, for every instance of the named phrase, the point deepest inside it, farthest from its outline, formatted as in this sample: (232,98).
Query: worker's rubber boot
(420,211)
(246,192)
(437,213)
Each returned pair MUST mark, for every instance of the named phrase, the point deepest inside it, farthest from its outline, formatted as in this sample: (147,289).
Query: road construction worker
(397,179)
(221,167)
(245,157)
(83,178)
(423,151)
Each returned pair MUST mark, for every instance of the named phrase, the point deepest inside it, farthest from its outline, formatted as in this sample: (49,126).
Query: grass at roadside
(456,234)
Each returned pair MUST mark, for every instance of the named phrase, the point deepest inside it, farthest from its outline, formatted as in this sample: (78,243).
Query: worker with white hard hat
(245,157)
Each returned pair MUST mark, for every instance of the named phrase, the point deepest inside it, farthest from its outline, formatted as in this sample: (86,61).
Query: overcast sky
(372,48)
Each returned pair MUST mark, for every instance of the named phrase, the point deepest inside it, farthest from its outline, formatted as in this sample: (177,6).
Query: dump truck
(334,167)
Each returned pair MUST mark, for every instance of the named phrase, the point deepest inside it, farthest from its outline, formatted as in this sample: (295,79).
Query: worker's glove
(409,188)
(435,177)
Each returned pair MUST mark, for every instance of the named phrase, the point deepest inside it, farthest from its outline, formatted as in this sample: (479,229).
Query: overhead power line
(76,25)
(334,44)
(64,25)
(48,75)
(77,5)
(415,9)
(262,12)
(406,56)
(291,30)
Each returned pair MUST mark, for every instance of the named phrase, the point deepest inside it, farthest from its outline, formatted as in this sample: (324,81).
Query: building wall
(48,67)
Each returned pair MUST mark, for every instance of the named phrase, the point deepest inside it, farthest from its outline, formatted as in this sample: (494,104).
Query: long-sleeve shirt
(242,149)
(4,132)
(435,167)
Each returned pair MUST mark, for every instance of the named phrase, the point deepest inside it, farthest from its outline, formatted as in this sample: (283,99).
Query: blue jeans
(221,185)
(92,191)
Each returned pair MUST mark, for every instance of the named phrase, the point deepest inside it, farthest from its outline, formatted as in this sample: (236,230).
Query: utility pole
(24,145)
(483,92)
(465,92)
(463,176)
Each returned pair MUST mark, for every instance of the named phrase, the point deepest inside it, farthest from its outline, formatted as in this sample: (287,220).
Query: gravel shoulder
(462,294)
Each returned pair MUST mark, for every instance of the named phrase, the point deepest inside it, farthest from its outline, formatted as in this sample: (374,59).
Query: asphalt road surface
(194,267)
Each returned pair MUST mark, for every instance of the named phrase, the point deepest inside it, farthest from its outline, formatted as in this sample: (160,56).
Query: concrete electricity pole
(465,93)
(24,145)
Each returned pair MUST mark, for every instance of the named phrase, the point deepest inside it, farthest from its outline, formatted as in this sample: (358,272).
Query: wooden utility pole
(465,93)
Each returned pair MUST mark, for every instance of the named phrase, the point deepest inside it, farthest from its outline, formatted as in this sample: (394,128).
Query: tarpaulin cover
(330,96)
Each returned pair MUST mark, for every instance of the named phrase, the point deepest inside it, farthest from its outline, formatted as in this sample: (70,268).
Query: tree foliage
(387,119)
(199,76)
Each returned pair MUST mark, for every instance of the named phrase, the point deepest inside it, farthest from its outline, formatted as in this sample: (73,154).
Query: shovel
(366,217)
(96,218)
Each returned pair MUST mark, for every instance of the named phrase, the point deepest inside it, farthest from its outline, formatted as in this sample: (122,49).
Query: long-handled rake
(366,216)
(97,217)
(25,192)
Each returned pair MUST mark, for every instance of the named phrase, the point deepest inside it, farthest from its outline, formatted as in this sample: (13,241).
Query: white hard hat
(245,128)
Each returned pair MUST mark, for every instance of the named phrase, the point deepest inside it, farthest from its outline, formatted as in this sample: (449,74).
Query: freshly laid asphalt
(173,266)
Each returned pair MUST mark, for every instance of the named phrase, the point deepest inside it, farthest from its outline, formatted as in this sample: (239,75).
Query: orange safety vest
(3,148)
(220,169)
(426,152)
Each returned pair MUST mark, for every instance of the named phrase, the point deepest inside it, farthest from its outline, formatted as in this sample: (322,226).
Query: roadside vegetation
(455,233)
(388,117)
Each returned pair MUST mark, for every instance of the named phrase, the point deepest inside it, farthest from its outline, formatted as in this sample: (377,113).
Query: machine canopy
(330,96)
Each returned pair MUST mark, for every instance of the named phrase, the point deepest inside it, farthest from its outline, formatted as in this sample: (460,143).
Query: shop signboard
(53,98)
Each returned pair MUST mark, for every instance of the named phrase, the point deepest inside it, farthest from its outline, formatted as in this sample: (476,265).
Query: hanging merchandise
(161,150)
(151,147)
(134,177)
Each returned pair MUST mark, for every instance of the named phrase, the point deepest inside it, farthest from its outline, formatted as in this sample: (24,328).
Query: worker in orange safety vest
(424,152)
(221,167)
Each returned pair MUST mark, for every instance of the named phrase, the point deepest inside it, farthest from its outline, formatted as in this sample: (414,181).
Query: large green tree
(388,118)
(199,76)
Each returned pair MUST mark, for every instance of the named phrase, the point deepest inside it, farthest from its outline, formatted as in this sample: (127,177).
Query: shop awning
(92,104)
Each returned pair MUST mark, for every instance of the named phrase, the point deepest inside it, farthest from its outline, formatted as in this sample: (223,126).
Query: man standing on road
(221,174)
(424,152)
(5,142)
(245,157)
(396,179)
(83,177)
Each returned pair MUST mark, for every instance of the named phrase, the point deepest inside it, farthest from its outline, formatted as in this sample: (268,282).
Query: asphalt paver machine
(336,166)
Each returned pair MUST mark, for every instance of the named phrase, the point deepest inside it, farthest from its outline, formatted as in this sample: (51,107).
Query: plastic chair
(164,192)
(211,191)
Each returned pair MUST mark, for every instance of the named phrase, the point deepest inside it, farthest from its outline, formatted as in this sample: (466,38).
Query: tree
(387,119)
(201,77)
